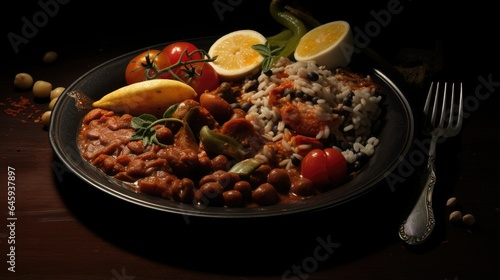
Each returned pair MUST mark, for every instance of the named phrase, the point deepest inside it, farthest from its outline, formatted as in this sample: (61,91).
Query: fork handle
(420,223)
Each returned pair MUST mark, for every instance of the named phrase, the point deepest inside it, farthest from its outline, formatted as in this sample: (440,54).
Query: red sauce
(179,171)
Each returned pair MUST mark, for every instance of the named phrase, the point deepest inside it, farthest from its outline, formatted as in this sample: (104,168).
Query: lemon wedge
(330,44)
(235,56)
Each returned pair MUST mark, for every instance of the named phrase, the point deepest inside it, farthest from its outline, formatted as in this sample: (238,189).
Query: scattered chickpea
(50,57)
(23,81)
(42,89)
(46,118)
(469,219)
(52,103)
(452,201)
(56,92)
(455,216)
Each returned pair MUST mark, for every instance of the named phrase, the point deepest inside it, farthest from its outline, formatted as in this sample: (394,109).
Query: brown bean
(106,163)
(226,179)
(278,177)
(181,161)
(207,178)
(152,186)
(136,168)
(302,186)
(136,147)
(211,194)
(265,194)
(205,163)
(233,198)
(259,175)
(183,190)
(220,162)
(165,135)
(245,189)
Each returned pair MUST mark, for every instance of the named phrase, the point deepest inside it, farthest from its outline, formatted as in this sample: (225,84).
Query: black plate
(396,136)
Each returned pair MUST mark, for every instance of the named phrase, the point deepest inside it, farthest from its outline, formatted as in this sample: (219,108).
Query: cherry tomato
(145,64)
(326,168)
(201,76)
(186,49)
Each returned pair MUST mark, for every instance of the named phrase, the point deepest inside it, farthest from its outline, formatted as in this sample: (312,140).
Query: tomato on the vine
(326,168)
(186,49)
(146,65)
(180,60)
(201,76)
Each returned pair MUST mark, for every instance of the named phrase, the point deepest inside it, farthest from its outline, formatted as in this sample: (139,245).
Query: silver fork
(420,222)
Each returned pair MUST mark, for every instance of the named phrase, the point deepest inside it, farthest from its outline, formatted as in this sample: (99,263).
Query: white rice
(327,97)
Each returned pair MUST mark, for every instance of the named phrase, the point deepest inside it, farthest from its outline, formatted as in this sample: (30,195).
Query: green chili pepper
(280,39)
(221,144)
(246,166)
(308,20)
(291,22)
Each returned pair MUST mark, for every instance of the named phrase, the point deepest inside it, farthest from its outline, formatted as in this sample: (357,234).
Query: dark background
(70,231)
(466,29)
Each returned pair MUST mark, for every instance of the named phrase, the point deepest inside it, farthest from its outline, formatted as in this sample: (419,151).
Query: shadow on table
(258,246)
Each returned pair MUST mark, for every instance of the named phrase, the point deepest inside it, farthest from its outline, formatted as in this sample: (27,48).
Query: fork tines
(451,113)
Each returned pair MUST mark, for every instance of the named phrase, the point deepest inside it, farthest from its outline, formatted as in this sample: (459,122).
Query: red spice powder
(20,107)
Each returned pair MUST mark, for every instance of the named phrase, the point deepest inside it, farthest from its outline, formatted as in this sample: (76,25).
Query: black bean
(313,76)
(235,105)
(290,92)
(295,161)
(275,129)
(348,100)
(356,166)
(254,86)
(245,106)
(362,157)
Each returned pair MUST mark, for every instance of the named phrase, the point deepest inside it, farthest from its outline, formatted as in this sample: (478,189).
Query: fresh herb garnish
(144,126)
(268,54)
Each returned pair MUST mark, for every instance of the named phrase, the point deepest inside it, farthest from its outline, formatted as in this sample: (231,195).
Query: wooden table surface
(62,228)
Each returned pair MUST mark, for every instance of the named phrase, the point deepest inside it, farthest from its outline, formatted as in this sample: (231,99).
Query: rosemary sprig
(144,126)
(268,53)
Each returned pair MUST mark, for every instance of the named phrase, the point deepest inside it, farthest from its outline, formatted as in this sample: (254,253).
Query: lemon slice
(330,44)
(235,56)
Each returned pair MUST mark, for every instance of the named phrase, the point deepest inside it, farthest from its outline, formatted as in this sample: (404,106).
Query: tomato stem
(188,66)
